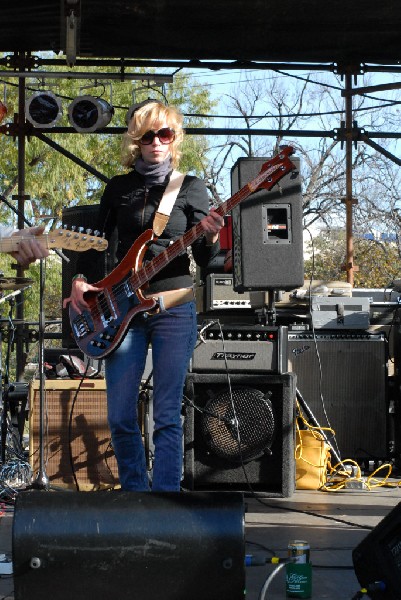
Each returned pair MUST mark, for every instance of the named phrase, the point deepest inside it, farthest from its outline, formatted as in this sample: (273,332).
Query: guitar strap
(167,202)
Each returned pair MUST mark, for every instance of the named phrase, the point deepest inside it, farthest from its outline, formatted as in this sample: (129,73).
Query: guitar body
(101,328)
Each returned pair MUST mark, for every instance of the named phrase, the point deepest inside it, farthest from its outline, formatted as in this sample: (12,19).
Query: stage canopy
(341,31)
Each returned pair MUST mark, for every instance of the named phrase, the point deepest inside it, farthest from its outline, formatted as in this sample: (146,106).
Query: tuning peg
(96,232)
(73,227)
(81,229)
(89,231)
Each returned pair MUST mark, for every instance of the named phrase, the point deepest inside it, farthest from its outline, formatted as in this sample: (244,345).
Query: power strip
(356,484)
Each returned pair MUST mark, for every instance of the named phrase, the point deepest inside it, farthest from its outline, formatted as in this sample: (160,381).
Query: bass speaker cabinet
(267,231)
(342,378)
(239,435)
(76,439)
(101,262)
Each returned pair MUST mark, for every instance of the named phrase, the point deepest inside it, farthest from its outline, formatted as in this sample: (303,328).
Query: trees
(378,260)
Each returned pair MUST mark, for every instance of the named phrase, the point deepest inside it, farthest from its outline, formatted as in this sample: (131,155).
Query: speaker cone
(239,426)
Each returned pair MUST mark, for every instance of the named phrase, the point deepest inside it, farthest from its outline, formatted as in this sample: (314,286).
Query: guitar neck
(58,238)
(11,244)
(153,267)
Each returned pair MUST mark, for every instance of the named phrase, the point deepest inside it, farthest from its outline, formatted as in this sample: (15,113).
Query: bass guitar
(100,329)
(59,238)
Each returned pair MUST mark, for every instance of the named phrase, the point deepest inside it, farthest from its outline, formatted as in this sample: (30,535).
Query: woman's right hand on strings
(76,298)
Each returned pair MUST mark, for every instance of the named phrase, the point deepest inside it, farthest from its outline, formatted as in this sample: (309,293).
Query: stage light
(87,113)
(43,109)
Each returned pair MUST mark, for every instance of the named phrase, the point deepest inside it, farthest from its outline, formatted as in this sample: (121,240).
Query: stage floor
(333,523)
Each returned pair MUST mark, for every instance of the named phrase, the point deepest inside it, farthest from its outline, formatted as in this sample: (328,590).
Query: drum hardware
(8,410)
(15,283)
(41,481)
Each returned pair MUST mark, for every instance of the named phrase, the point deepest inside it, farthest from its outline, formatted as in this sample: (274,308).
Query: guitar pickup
(106,308)
(82,325)
(128,288)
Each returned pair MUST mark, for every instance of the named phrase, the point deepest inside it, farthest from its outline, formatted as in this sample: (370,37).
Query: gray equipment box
(340,313)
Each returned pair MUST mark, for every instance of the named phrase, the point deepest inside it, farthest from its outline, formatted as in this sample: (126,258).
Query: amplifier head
(220,294)
(240,348)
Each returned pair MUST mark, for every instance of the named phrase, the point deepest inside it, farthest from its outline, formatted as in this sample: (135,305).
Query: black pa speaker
(267,231)
(95,545)
(240,436)
(377,561)
(101,262)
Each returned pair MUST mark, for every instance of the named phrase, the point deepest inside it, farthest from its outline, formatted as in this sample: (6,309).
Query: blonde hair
(152,115)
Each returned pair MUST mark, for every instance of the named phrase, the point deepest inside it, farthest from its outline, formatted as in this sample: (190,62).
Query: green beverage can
(298,576)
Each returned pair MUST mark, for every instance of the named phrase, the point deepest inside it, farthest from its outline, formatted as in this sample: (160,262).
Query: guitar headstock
(79,241)
(278,166)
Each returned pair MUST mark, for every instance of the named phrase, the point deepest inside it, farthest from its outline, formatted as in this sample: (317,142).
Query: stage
(333,523)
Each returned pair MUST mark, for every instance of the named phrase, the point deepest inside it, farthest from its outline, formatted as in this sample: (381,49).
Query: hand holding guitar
(28,245)
(29,249)
(211,226)
(78,289)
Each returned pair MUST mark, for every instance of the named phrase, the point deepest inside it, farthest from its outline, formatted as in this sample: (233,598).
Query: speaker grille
(239,425)
(344,377)
(79,424)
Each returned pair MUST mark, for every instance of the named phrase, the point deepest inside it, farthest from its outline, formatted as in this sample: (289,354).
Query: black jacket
(127,209)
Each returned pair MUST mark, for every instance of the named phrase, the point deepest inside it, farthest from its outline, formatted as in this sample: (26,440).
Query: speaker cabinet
(344,376)
(377,557)
(101,262)
(76,440)
(263,407)
(267,231)
(130,545)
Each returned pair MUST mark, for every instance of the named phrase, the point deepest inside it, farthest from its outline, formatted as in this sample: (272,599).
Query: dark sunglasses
(166,135)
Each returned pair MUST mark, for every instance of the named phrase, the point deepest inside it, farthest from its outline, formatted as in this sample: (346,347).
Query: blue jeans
(172,335)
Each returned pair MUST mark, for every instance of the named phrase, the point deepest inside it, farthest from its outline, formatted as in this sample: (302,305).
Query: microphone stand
(41,481)
(315,423)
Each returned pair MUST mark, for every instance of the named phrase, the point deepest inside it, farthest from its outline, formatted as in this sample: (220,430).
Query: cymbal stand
(41,481)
